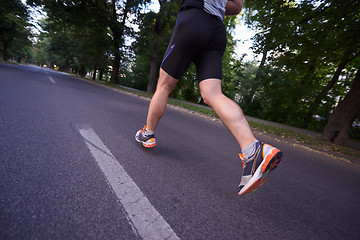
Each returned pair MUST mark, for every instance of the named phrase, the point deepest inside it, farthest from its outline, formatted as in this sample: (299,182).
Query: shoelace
(146,134)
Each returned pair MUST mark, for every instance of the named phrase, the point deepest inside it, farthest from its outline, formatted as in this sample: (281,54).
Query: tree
(88,24)
(231,67)
(340,121)
(275,22)
(151,41)
(115,13)
(162,20)
(340,21)
(117,29)
(14,29)
(308,44)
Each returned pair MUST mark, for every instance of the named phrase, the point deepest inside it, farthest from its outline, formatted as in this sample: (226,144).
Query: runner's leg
(229,112)
(157,107)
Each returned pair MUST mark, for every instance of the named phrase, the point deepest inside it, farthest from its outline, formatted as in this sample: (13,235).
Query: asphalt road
(71,169)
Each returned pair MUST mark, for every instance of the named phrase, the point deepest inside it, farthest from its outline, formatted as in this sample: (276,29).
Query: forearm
(233,7)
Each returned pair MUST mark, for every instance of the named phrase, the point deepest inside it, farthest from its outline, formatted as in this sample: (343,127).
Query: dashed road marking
(145,220)
(52,80)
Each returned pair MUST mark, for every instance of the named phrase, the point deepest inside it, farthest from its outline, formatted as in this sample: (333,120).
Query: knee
(166,83)
(211,98)
(164,87)
(206,97)
(210,90)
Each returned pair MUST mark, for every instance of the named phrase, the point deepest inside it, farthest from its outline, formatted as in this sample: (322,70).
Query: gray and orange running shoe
(148,140)
(255,173)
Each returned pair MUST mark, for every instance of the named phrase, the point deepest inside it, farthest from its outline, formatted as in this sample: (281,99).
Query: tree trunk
(310,72)
(261,66)
(82,71)
(101,72)
(260,70)
(313,107)
(95,70)
(162,20)
(6,41)
(5,46)
(153,70)
(118,32)
(116,64)
(338,126)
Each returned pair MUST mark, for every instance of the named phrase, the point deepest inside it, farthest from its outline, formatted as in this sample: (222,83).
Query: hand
(233,7)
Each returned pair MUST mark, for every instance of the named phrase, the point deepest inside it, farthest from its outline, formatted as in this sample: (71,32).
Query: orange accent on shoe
(255,186)
(274,164)
(150,143)
(242,160)
(270,160)
(262,182)
(258,183)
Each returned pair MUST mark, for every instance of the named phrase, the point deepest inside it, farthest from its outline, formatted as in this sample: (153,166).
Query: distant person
(199,36)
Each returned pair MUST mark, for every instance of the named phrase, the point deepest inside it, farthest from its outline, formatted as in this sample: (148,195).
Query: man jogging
(199,36)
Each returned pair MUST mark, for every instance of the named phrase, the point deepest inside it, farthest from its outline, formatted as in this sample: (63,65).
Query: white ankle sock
(148,132)
(249,151)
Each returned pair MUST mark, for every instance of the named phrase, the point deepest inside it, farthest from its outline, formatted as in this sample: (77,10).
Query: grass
(315,143)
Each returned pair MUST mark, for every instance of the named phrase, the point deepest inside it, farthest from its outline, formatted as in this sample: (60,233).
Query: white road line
(143,217)
(52,80)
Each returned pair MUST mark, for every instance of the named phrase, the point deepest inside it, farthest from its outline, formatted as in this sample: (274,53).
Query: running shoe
(255,173)
(148,140)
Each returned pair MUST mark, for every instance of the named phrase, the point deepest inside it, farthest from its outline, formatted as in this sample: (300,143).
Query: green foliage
(188,88)
(14,30)
(305,44)
(74,37)
(86,35)
(232,68)
(151,41)
(142,48)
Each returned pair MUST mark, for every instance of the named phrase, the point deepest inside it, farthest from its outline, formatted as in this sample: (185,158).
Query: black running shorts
(197,37)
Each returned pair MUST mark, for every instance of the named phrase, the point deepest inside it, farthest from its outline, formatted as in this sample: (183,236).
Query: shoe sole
(149,143)
(260,175)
